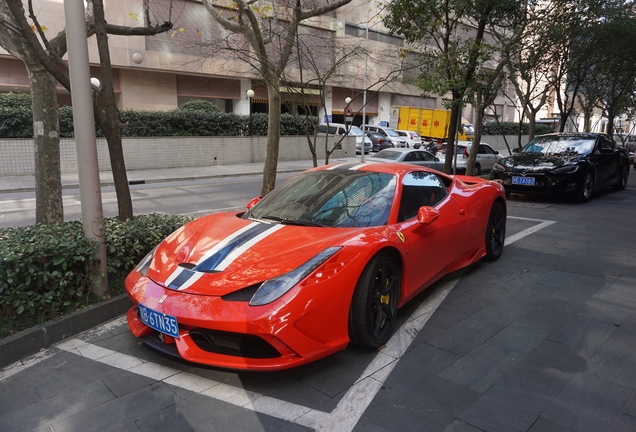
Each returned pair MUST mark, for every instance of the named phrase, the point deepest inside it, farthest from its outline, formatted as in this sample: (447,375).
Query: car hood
(222,253)
(537,162)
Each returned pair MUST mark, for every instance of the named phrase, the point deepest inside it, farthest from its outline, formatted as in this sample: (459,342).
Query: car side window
(485,149)
(419,189)
(427,156)
(409,157)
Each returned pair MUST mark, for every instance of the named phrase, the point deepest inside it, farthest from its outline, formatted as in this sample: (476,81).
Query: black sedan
(379,141)
(573,164)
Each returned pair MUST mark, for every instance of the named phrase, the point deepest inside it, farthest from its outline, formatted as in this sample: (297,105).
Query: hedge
(49,270)
(191,119)
(511,128)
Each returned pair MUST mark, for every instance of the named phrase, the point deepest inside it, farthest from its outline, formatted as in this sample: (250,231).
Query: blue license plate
(159,321)
(526,181)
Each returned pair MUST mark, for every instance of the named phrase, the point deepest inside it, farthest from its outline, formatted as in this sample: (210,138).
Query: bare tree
(43,61)
(270,33)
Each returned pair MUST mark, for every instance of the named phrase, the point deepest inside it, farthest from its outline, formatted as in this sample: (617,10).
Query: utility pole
(85,141)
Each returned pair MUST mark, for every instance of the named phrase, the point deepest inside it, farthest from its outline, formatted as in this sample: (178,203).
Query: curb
(30,341)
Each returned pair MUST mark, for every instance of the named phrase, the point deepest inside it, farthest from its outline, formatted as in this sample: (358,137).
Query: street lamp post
(250,95)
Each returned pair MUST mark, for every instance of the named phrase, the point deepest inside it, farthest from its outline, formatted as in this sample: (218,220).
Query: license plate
(159,321)
(527,181)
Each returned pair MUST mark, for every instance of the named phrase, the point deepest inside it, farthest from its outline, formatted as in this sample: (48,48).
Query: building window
(375,35)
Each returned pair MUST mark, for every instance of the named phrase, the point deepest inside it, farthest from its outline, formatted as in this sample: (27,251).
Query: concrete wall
(499,143)
(17,155)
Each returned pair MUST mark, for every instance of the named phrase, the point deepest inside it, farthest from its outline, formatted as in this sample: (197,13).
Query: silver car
(486,157)
(408,155)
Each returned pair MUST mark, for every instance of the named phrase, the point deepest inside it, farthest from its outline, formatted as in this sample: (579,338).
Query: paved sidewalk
(70,180)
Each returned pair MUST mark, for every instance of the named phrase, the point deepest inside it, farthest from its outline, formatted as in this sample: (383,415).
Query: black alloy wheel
(495,232)
(622,182)
(375,302)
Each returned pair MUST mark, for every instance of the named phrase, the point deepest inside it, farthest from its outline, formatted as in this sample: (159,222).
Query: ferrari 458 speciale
(324,260)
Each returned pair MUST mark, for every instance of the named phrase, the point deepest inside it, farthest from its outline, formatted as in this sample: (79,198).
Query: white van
(341,129)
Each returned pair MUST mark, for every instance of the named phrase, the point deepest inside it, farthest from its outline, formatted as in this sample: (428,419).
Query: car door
(486,157)
(606,159)
(430,247)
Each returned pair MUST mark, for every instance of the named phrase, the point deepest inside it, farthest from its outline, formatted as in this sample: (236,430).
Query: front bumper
(235,335)
(545,184)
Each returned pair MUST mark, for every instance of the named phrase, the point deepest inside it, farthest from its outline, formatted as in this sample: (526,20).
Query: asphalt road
(183,197)
(541,340)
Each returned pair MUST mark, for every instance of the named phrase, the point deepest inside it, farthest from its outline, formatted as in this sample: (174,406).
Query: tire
(375,301)
(477,168)
(587,186)
(622,183)
(495,232)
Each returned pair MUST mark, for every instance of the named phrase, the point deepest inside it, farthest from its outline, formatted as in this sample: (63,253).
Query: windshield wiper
(287,221)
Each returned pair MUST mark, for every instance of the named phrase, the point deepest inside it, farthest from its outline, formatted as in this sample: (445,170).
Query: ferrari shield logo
(401,236)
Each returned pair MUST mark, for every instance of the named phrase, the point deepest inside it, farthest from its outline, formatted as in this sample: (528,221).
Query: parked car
(379,141)
(342,129)
(486,157)
(573,164)
(412,156)
(324,260)
(412,138)
(396,139)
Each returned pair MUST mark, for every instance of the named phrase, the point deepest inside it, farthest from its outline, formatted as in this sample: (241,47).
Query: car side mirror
(253,202)
(427,215)
(515,150)
(496,152)
(436,159)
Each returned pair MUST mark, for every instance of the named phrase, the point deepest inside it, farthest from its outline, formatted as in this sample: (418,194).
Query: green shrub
(45,269)
(49,270)
(15,100)
(198,105)
(17,122)
(512,128)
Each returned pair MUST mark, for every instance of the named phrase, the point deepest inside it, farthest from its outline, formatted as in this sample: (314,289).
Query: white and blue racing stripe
(222,254)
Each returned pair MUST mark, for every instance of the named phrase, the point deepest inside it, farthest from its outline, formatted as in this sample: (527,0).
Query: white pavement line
(223,392)
(526,232)
(357,399)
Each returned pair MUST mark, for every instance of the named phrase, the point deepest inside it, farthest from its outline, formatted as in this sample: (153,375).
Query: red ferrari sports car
(325,259)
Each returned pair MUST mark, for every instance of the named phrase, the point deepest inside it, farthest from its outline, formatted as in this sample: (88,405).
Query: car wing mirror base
(427,215)
(253,202)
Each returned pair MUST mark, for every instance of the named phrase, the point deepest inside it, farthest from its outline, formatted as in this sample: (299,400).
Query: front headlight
(567,169)
(498,168)
(273,289)
(144,264)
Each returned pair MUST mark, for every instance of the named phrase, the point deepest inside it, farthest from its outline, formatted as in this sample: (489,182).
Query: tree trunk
(452,131)
(532,118)
(273,135)
(46,135)
(474,147)
(110,123)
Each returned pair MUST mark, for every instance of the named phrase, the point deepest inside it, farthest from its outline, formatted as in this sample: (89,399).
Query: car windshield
(560,145)
(333,198)
(388,154)
(391,132)
(355,131)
